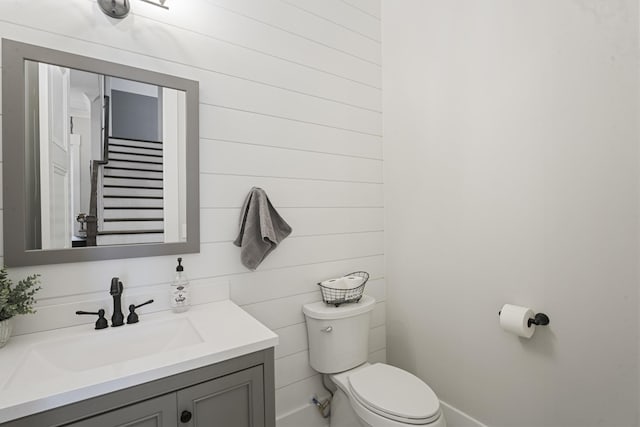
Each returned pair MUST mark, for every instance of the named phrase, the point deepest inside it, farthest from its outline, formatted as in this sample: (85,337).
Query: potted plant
(15,299)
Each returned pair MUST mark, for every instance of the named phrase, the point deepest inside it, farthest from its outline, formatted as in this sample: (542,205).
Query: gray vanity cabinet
(235,400)
(158,412)
(234,393)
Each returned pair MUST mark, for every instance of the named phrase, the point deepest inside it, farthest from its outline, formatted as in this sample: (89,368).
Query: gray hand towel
(261,229)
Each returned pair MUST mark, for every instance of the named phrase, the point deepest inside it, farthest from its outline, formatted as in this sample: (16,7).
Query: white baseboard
(457,418)
(308,416)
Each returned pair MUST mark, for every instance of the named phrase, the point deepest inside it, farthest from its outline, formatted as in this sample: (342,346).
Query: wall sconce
(115,8)
(120,8)
(159,3)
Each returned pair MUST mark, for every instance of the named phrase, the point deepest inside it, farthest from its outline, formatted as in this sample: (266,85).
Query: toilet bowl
(369,395)
(382,395)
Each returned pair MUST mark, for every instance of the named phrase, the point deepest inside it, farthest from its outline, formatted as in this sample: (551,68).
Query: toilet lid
(395,393)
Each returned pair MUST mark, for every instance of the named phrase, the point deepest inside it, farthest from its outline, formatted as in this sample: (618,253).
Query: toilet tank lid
(320,310)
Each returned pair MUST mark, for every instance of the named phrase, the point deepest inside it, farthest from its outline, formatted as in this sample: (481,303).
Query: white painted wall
(511,175)
(290,101)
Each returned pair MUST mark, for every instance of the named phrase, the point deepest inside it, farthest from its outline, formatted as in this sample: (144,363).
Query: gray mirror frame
(16,254)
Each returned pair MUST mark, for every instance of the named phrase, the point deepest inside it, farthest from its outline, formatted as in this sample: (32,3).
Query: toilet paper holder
(540,319)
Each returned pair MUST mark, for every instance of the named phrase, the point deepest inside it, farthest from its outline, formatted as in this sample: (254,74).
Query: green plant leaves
(18,299)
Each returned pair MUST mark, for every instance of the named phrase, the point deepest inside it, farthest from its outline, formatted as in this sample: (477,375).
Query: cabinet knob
(185,417)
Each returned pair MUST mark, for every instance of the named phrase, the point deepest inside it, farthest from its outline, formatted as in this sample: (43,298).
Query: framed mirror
(100,159)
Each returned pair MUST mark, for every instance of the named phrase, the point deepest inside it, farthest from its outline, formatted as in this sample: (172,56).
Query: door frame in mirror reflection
(19,224)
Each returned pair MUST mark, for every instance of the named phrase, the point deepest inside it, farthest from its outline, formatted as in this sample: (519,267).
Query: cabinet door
(235,400)
(158,412)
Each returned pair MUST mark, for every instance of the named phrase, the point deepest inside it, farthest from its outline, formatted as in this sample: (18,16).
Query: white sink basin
(111,346)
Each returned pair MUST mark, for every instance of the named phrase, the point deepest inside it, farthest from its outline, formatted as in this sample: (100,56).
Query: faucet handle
(101,323)
(133,316)
(116,286)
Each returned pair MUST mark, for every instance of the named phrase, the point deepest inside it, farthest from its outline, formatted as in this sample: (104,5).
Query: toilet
(367,395)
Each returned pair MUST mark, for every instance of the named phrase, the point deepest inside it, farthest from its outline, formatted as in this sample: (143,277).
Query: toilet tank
(338,336)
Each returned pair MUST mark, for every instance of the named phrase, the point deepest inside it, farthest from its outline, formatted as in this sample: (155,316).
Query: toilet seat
(394,394)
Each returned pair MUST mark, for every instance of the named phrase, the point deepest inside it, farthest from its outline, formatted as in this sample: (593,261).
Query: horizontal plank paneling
(241,126)
(333,220)
(185,46)
(342,14)
(315,249)
(264,286)
(229,191)
(292,339)
(369,7)
(222,90)
(215,259)
(226,89)
(293,368)
(242,159)
(283,16)
(297,251)
(221,24)
(218,225)
(282,312)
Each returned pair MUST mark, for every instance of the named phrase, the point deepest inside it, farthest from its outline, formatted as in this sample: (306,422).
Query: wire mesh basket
(337,295)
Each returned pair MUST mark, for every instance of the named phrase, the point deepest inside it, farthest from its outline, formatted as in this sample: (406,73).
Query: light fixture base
(117,9)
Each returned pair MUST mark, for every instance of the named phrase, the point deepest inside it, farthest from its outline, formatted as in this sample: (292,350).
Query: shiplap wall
(291,102)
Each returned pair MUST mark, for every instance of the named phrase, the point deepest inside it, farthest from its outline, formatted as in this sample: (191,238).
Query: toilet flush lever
(327,329)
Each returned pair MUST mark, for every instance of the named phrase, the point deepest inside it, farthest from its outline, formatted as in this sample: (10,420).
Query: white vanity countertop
(49,369)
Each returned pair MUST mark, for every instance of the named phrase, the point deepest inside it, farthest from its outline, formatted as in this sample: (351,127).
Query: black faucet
(133,316)
(117,319)
(101,323)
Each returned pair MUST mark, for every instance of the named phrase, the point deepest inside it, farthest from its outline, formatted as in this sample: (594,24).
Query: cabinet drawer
(158,412)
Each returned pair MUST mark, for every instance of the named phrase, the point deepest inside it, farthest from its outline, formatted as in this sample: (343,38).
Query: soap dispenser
(179,297)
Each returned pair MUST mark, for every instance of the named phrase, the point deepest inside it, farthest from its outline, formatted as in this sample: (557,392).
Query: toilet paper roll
(514,319)
(352,282)
(334,283)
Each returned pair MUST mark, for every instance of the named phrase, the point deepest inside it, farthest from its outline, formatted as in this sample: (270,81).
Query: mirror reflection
(105,160)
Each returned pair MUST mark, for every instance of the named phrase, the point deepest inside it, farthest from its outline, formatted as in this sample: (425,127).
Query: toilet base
(342,414)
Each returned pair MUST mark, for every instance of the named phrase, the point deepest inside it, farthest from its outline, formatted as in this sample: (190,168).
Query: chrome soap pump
(179,297)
